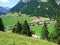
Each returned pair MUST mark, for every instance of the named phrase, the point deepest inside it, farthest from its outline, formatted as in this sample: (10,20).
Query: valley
(29,22)
(11,19)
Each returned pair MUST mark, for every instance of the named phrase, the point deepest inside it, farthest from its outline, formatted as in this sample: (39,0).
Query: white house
(36,36)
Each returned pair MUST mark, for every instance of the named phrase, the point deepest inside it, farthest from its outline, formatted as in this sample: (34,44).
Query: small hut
(48,21)
(10,27)
(41,23)
(31,24)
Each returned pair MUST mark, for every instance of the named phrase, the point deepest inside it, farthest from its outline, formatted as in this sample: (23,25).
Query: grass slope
(8,38)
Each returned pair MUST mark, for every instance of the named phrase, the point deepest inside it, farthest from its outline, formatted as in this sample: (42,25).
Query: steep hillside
(8,38)
(18,7)
(3,10)
(30,7)
(37,8)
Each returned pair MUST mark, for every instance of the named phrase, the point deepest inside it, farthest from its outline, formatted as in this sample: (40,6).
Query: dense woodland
(34,7)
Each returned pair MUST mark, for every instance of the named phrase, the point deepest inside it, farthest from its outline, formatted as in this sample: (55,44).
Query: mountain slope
(38,8)
(8,38)
(41,8)
(3,10)
(30,7)
(17,7)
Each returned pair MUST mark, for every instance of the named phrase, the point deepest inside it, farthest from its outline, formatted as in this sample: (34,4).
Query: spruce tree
(58,41)
(1,25)
(18,27)
(44,32)
(26,29)
(56,35)
(13,30)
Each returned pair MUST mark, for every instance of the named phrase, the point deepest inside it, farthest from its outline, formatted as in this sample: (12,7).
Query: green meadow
(37,29)
(8,38)
(11,19)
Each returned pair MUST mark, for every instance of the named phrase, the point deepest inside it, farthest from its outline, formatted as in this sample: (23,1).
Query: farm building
(31,24)
(10,27)
(40,21)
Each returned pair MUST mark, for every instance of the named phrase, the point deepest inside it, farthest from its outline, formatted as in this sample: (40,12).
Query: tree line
(55,36)
(38,8)
(18,28)
(22,28)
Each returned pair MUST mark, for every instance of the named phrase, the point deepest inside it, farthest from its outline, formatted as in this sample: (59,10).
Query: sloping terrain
(8,38)
(17,7)
(3,10)
(11,19)
(37,8)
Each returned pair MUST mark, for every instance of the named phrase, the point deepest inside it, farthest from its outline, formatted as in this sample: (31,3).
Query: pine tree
(54,4)
(13,30)
(26,29)
(18,27)
(44,32)
(1,25)
(58,41)
(56,35)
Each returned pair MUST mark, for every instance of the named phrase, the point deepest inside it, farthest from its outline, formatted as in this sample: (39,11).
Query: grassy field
(37,29)
(9,38)
(11,19)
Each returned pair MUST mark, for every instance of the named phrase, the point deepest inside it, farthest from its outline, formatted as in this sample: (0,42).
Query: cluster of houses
(35,22)
(10,27)
(39,22)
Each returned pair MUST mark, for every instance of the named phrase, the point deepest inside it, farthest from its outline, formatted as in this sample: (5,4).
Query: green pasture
(8,38)
(11,19)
